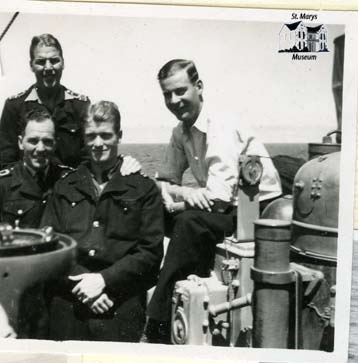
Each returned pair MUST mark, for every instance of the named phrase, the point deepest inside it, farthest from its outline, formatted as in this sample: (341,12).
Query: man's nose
(98,142)
(48,64)
(174,99)
(40,147)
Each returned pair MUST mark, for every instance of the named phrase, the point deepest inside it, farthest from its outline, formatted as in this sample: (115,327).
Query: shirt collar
(202,121)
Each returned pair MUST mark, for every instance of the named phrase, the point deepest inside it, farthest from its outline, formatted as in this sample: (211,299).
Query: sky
(117,58)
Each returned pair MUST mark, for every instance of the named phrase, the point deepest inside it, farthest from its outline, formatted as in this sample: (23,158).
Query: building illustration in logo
(298,37)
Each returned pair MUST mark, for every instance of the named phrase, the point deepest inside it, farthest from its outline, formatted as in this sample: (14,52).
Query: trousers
(191,251)
(71,320)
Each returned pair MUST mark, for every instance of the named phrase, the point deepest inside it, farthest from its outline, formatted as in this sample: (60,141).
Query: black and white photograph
(180,178)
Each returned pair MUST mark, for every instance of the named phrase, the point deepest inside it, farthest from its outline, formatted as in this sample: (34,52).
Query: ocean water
(152,155)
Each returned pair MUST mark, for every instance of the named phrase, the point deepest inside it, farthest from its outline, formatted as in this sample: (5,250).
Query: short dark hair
(38,114)
(47,40)
(104,111)
(175,65)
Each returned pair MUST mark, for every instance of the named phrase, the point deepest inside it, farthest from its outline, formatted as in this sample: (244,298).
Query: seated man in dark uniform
(66,107)
(117,222)
(25,186)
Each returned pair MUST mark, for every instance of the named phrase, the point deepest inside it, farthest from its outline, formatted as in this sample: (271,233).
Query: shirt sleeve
(9,150)
(136,272)
(175,160)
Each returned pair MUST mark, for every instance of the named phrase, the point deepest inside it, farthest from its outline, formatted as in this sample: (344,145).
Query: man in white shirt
(210,147)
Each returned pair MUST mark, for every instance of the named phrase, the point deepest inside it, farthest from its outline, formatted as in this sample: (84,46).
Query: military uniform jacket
(21,196)
(70,109)
(119,234)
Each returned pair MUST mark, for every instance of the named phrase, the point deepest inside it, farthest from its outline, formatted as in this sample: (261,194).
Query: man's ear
(19,141)
(120,136)
(199,85)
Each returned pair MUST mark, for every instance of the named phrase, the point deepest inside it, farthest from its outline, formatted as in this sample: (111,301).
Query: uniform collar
(25,181)
(65,95)
(81,180)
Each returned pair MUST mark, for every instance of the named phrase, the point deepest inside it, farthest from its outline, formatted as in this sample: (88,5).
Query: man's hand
(89,287)
(197,198)
(102,304)
(130,165)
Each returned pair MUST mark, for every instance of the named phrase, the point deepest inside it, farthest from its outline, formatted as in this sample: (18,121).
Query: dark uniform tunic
(70,109)
(23,198)
(119,234)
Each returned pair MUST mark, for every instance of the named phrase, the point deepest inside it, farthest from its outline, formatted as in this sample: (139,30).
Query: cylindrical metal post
(272,278)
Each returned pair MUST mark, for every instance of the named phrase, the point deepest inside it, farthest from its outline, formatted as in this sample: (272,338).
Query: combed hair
(47,40)
(38,114)
(175,65)
(104,111)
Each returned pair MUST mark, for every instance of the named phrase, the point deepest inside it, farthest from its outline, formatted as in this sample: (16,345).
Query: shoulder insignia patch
(76,95)
(5,172)
(17,96)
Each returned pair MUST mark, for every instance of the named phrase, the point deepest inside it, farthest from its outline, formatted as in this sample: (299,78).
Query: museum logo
(299,38)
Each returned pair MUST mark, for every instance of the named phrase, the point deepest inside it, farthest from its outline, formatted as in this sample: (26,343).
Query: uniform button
(44,201)
(95,224)
(73,204)
(20,211)
(125,209)
(196,158)
(73,130)
(91,253)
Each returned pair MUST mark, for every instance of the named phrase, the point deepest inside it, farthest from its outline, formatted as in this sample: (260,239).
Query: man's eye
(40,62)
(55,60)
(33,141)
(90,137)
(48,142)
(106,135)
(180,91)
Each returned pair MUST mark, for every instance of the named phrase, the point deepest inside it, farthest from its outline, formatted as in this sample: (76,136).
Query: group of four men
(63,168)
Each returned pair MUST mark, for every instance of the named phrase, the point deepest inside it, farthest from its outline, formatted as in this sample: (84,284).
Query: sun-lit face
(102,142)
(38,143)
(47,66)
(182,97)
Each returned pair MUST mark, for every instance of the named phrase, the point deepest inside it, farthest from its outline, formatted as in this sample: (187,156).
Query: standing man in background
(210,145)
(66,108)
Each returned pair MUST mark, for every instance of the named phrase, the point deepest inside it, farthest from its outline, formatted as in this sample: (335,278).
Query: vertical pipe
(272,279)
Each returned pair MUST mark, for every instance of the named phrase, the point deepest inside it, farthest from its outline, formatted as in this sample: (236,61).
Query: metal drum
(315,208)
(29,257)
(314,242)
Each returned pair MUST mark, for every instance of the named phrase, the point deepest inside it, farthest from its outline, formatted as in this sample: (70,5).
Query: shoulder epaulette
(65,167)
(67,170)
(5,172)
(14,97)
(76,95)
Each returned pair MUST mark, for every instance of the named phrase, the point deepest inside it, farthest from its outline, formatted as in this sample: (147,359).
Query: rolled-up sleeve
(176,162)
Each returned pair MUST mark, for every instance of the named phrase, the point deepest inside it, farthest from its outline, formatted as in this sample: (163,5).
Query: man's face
(182,97)
(101,142)
(38,143)
(47,65)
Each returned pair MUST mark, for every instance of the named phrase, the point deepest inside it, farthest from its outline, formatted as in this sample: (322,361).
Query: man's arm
(9,150)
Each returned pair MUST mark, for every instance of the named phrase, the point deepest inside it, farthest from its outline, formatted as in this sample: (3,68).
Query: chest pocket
(128,212)
(23,210)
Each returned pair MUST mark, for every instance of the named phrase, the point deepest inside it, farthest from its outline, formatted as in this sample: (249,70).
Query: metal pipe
(272,281)
(240,302)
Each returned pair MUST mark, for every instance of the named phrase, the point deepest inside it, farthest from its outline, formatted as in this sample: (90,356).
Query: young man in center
(117,222)
(210,145)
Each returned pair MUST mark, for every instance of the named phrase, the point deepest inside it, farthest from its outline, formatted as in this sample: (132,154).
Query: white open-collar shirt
(211,148)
